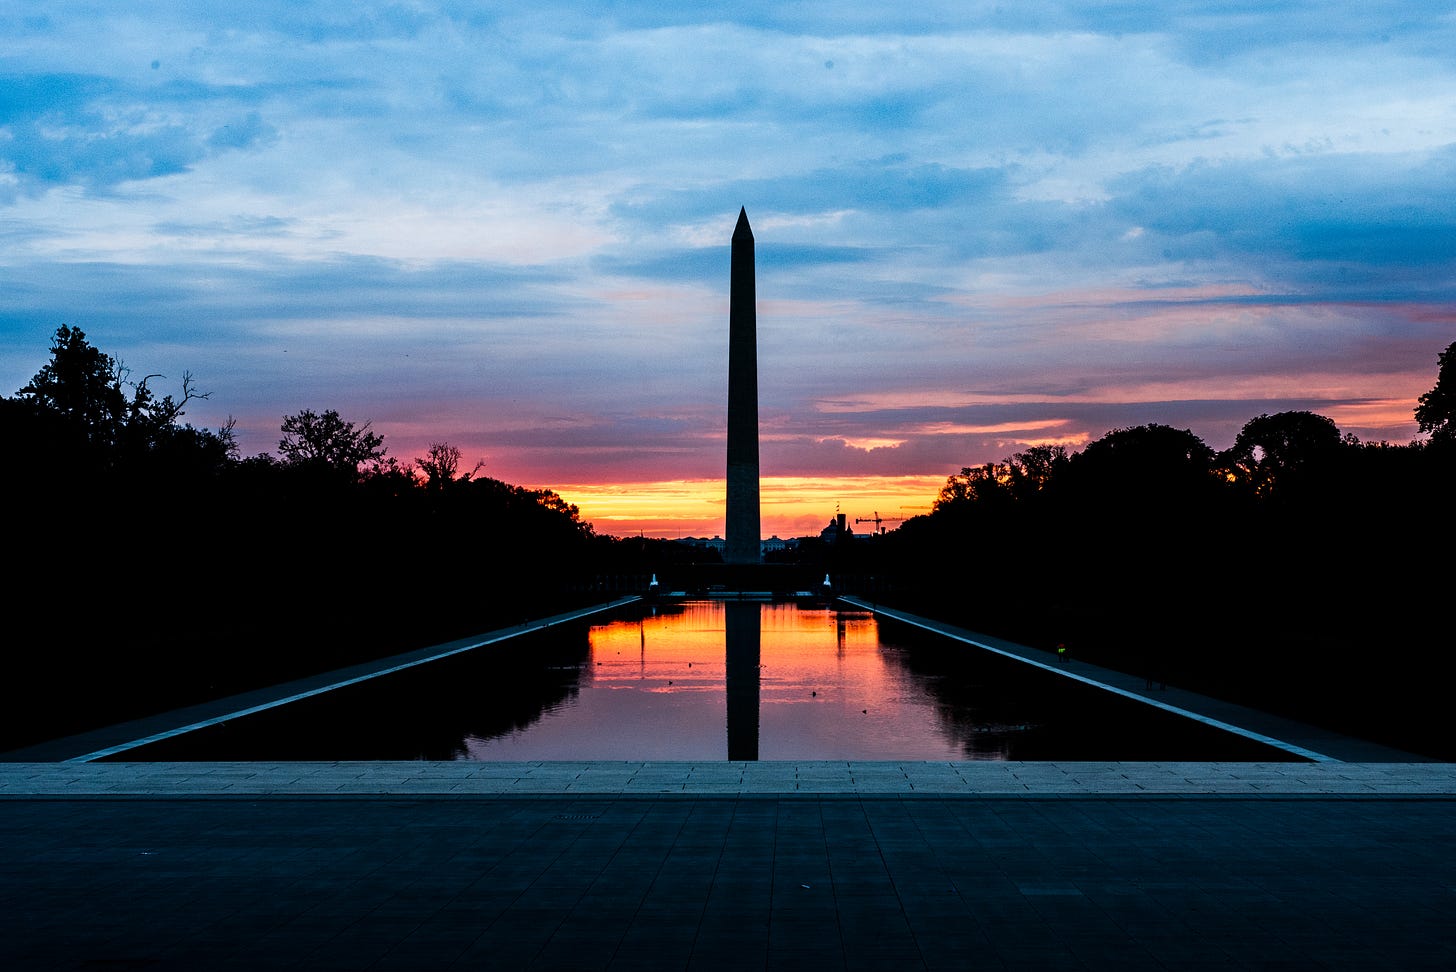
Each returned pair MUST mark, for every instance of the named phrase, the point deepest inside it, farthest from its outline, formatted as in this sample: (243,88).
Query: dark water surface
(714,680)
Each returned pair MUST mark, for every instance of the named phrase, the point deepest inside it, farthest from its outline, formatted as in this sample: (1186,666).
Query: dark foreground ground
(839,865)
(732,882)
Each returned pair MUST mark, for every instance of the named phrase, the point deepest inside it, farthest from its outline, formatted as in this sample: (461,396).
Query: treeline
(1300,571)
(155,566)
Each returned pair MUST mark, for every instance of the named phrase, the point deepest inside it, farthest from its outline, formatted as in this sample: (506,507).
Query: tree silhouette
(92,407)
(1436,412)
(1146,466)
(441,466)
(1034,469)
(1271,448)
(326,442)
(982,484)
(81,385)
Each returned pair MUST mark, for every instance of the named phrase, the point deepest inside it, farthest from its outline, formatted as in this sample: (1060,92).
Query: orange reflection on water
(823,687)
(816,654)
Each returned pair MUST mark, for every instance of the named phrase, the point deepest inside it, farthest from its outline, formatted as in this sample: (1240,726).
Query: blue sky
(979,226)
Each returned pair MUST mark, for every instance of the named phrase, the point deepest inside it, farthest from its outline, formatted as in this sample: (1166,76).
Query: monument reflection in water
(741,679)
(742,649)
(709,680)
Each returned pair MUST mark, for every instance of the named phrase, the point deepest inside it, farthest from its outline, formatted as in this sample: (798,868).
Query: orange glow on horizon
(790,506)
(1397,415)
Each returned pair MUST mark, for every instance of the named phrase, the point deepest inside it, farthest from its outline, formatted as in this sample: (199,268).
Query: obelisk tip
(742,230)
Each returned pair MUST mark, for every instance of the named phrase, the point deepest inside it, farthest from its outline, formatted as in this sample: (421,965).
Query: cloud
(246,132)
(1370,211)
(37,156)
(65,129)
(978,226)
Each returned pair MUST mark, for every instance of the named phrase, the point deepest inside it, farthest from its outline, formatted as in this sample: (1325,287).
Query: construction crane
(877,520)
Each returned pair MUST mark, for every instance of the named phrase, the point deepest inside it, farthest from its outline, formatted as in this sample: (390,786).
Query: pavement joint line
(493,638)
(866,779)
(947,632)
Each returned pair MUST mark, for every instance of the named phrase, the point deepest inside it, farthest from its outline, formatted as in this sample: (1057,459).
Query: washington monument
(740,533)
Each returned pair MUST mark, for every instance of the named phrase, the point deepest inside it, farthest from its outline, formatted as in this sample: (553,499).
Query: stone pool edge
(741,779)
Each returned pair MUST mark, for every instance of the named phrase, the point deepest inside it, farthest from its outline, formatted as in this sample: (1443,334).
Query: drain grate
(576,816)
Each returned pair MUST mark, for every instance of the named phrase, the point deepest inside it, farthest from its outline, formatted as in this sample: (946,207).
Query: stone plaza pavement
(727,866)
(981,778)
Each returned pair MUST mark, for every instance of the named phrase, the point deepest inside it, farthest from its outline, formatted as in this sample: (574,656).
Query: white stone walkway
(1070,779)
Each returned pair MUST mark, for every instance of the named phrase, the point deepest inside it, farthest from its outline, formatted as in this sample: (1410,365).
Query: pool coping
(725,779)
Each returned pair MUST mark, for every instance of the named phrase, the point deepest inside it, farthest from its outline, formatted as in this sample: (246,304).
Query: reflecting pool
(717,680)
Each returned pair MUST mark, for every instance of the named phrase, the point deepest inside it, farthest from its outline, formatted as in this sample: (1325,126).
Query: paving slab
(614,881)
(31,780)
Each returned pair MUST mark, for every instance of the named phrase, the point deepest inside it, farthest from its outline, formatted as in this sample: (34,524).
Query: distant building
(716,543)
(774,544)
(837,529)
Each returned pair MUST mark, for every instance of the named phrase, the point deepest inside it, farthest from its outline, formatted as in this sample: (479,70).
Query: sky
(979,227)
